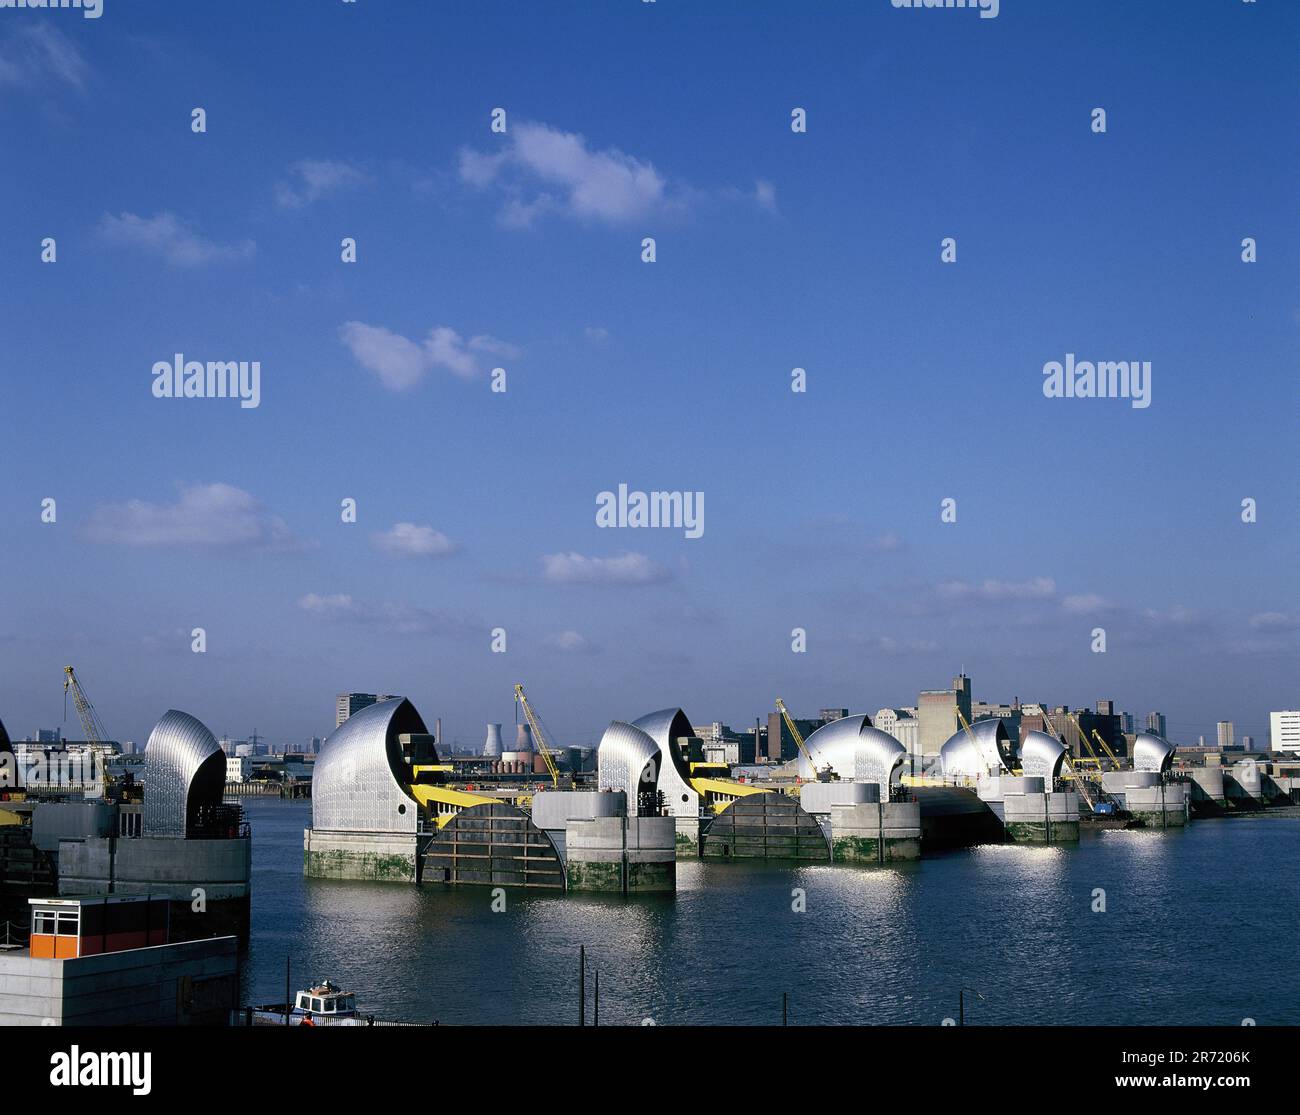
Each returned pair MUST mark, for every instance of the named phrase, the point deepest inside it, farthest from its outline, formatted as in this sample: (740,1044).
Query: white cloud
(607,186)
(1087,603)
(166,236)
(312,179)
(401,363)
(596,333)
(400,619)
(1274,621)
(992,591)
(629,568)
(884,543)
(33,55)
(410,540)
(334,605)
(205,515)
(572,642)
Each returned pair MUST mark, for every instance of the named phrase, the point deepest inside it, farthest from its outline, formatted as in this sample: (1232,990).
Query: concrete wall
(66,820)
(818,798)
(552,809)
(626,855)
(195,983)
(1039,817)
(872,832)
(212,875)
(380,857)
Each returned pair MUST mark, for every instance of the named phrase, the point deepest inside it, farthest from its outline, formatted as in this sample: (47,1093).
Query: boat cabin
(327,1001)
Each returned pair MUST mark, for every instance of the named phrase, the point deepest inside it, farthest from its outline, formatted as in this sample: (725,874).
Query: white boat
(325,1004)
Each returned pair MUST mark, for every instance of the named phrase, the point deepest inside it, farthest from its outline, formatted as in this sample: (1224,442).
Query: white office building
(1284,731)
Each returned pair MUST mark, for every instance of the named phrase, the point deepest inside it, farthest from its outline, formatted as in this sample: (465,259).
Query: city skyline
(776,251)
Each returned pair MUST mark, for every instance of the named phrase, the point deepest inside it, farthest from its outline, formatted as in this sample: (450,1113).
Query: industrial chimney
(492,745)
(523,738)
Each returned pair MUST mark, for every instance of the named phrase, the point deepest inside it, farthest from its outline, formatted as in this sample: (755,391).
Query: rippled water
(1200,928)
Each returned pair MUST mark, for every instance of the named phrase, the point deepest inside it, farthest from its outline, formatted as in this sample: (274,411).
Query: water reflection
(870,945)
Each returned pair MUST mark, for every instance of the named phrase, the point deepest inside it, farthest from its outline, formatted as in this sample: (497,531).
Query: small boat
(324,1004)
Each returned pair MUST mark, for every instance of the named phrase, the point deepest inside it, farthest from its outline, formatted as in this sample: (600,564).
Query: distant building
(779,744)
(1284,731)
(348,703)
(238,769)
(1156,723)
(721,745)
(829,715)
(902,725)
(47,735)
(1227,735)
(937,713)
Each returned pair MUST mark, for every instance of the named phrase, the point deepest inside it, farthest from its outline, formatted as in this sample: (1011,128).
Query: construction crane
(1079,780)
(536,725)
(90,721)
(1105,747)
(798,738)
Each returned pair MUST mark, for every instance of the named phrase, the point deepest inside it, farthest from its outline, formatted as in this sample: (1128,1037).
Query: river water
(1200,927)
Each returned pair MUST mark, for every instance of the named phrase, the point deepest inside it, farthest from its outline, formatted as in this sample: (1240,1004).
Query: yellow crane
(1105,747)
(798,737)
(90,722)
(1075,774)
(538,735)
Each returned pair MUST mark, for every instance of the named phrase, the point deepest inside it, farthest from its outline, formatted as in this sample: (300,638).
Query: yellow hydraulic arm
(538,735)
(798,738)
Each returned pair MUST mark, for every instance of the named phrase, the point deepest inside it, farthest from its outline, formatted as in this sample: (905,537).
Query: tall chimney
(492,745)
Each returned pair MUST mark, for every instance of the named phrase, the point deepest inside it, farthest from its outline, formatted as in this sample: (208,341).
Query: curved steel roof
(854,750)
(184,769)
(628,759)
(1041,756)
(359,783)
(1152,753)
(982,749)
(666,727)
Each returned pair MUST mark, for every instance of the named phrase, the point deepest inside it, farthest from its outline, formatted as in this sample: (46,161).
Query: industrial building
(181,836)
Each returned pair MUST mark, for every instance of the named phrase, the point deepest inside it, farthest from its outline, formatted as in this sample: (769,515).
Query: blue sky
(775,250)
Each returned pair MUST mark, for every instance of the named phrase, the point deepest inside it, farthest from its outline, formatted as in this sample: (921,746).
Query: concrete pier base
(1032,815)
(622,855)
(1206,791)
(379,857)
(688,836)
(875,832)
(1150,799)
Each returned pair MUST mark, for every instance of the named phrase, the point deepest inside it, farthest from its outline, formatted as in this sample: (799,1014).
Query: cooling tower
(523,738)
(492,745)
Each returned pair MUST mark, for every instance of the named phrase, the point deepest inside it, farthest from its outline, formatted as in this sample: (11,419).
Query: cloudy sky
(522,250)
